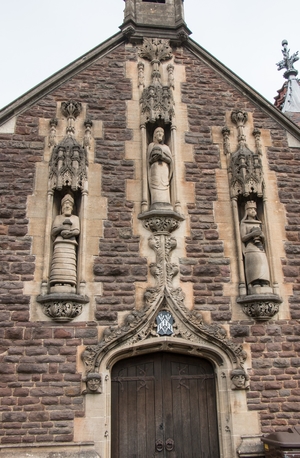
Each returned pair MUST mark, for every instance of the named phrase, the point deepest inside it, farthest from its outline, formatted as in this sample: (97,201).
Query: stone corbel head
(93,382)
(239,379)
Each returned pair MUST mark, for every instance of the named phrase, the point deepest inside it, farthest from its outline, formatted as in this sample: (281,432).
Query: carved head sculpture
(159,135)
(67,204)
(93,382)
(250,209)
(239,379)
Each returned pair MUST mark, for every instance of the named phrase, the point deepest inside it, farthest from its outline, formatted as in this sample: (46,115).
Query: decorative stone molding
(62,307)
(161,221)
(142,325)
(260,307)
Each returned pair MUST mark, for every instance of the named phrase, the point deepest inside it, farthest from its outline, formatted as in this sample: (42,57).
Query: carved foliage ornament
(260,309)
(60,309)
(156,49)
(142,325)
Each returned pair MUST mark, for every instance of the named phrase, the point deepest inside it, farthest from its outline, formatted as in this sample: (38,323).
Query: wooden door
(164,406)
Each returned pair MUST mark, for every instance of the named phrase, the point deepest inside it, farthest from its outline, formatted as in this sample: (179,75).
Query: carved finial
(88,133)
(141,73)
(239,118)
(257,134)
(288,61)
(52,136)
(156,49)
(71,110)
(170,69)
(226,134)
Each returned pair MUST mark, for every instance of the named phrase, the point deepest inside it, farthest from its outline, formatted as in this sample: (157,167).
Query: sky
(39,37)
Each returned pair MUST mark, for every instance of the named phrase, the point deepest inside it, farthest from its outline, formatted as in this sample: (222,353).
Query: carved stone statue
(93,383)
(239,379)
(65,230)
(160,171)
(255,259)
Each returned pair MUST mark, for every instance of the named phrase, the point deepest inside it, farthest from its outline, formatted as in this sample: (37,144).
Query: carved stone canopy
(245,171)
(68,165)
(244,166)
(157,102)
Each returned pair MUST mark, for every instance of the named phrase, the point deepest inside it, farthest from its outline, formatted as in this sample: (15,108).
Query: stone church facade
(149,231)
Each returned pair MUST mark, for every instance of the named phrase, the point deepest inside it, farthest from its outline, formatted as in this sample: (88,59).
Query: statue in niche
(160,171)
(239,379)
(255,259)
(65,230)
(93,383)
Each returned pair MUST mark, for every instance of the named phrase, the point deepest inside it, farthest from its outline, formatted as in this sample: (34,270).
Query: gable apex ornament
(155,49)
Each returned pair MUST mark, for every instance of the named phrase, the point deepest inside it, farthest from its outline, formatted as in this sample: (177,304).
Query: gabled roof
(35,94)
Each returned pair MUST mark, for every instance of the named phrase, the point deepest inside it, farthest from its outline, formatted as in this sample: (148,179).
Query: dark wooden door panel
(164,406)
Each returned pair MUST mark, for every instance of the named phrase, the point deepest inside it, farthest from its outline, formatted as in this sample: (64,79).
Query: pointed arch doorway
(164,406)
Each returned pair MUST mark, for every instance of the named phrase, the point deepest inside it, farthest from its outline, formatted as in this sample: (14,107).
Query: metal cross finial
(288,61)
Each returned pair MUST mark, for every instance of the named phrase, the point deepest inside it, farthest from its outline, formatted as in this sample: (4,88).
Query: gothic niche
(257,286)
(158,129)
(62,291)
(160,172)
